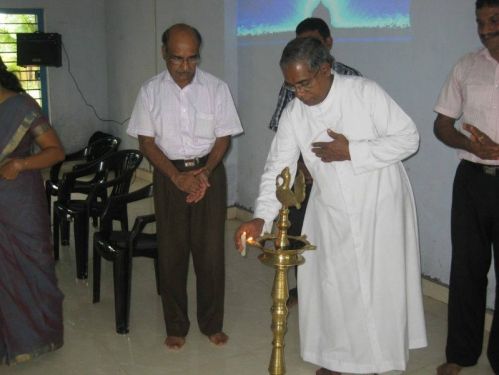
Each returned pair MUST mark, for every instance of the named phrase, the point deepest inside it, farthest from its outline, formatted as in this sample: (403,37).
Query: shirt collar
(332,90)
(484,52)
(330,97)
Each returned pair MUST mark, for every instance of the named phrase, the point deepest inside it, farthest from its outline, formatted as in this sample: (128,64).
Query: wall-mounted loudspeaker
(39,49)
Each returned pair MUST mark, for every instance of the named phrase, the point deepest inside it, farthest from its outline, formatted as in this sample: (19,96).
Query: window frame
(39,13)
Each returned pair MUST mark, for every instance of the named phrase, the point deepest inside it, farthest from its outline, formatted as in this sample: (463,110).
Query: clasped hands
(194,183)
(480,144)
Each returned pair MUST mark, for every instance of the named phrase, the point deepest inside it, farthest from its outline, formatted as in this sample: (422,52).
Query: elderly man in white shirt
(184,118)
(360,291)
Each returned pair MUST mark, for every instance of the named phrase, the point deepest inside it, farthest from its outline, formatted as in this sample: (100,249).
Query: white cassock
(360,300)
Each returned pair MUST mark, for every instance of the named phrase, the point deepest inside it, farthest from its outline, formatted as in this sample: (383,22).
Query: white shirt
(184,122)
(472,91)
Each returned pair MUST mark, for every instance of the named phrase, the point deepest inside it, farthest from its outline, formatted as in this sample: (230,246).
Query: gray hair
(309,50)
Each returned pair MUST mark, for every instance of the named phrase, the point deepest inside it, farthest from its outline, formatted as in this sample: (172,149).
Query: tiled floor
(92,346)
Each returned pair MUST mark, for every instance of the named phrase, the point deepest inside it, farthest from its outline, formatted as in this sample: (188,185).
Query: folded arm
(51,152)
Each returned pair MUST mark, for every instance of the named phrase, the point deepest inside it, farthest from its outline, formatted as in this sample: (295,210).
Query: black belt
(491,170)
(184,164)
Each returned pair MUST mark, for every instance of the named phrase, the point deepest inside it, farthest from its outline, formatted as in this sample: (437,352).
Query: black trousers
(475,236)
(198,229)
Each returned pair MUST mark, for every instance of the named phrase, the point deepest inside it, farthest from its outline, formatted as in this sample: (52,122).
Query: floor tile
(93,347)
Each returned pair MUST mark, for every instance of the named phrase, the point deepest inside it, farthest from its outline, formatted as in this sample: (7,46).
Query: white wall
(81,25)
(412,73)
(131,53)
(114,47)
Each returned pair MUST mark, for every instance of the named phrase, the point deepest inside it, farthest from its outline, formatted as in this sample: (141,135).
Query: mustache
(489,35)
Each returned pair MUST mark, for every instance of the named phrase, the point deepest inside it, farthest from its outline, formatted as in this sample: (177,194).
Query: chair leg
(81,245)
(55,233)
(96,275)
(48,195)
(122,291)
(64,232)
(156,272)
(124,219)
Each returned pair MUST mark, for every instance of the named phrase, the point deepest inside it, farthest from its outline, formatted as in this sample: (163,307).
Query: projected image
(264,17)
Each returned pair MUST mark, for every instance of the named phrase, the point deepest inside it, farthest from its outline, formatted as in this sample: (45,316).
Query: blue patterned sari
(30,301)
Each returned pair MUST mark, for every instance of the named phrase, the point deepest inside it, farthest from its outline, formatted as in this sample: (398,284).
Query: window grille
(32,78)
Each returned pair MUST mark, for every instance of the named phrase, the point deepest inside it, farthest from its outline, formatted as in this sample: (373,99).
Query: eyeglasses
(177,60)
(304,85)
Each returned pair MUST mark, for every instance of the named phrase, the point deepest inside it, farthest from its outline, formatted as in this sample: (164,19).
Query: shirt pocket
(204,126)
(478,104)
(479,96)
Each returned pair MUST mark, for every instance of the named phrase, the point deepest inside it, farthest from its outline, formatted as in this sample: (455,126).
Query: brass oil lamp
(281,252)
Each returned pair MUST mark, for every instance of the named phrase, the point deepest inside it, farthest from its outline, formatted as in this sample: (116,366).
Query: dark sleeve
(285,96)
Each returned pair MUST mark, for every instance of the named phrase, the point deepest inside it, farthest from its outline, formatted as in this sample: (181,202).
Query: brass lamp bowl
(288,256)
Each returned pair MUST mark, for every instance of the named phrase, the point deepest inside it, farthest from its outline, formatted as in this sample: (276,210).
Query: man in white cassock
(360,292)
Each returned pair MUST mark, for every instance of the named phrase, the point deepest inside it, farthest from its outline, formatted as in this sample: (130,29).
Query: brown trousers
(197,229)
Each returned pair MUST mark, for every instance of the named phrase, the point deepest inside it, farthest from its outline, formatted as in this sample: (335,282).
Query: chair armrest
(54,171)
(100,186)
(83,170)
(110,183)
(143,220)
(122,200)
(139,225)
(69,179)
(56,168)
(77,155)
(86,164)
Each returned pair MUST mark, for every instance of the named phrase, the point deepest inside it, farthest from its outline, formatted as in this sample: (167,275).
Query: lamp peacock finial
(285,195)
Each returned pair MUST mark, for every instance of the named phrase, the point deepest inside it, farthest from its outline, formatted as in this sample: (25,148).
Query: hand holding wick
(246,233)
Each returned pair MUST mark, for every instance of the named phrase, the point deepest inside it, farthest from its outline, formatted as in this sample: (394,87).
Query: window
(33,78)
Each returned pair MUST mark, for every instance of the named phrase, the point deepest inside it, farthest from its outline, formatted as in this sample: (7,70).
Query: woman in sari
(30,301)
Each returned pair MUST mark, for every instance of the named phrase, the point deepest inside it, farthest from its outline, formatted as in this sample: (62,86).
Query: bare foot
(448,369)
(219,339)
(325,371)
(174,342)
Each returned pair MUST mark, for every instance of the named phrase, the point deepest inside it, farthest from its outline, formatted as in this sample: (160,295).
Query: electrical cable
(83,96)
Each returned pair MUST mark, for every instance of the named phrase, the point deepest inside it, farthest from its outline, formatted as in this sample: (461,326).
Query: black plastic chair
(120,247)
(99,145)
(121,166)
